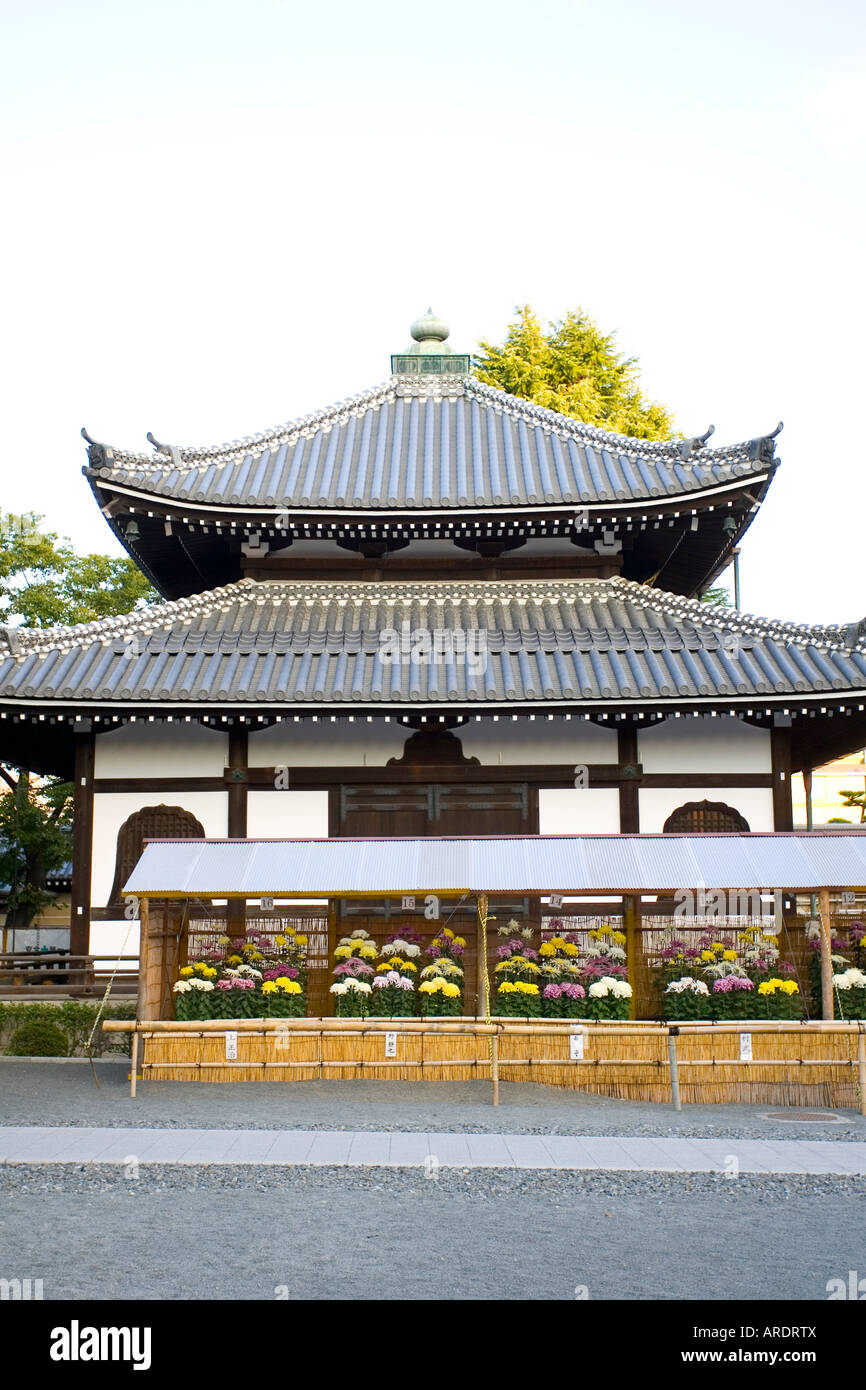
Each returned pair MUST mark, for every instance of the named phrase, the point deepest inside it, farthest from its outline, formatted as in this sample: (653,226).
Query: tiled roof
(557,642)
(427,443)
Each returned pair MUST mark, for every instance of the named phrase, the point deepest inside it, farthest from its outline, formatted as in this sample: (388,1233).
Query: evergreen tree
(574,368)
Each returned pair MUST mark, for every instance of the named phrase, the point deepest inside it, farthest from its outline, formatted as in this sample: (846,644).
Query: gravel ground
(260,1233)
(57,1094)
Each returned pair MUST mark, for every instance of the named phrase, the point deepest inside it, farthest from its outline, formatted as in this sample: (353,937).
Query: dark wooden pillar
(82,838)
(237,781)
(629,805)
(780,762)
(236,912)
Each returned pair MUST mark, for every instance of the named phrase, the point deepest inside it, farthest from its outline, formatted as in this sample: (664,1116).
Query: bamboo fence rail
(799,1064)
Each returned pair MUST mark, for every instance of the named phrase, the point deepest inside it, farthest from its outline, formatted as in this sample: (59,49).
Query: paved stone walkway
(329,1148)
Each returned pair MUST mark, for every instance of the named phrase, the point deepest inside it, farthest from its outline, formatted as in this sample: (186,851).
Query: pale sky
(219,216)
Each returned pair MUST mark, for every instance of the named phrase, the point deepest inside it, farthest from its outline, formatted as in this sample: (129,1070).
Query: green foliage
(856,801)
(44,583)
(38,1038)
(573,368)
(73,1018)
(719,597)
(33,841)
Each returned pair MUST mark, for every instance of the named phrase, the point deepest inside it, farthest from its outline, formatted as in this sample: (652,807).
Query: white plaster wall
(110,810)
(108,940)
(578,811)
(287,814)
(326,745)
(657,803)
(705,744)
(150,750)
(537,741)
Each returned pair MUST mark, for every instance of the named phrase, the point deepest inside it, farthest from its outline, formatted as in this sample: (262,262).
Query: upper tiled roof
(429,443)
(556,642)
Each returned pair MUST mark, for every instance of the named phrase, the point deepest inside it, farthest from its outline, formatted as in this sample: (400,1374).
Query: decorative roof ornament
(430,354)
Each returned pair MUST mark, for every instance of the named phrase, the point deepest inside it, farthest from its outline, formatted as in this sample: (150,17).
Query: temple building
(431,609)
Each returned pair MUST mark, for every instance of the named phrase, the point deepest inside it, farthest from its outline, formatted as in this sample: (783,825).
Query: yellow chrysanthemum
(569,948)
(790,987)
(269,987)
(368,952)
(449,933)
(707,955)
(460,941)
(342,952)
(287,986)
(506,987)
(185,970)
(235,960)
(301,940)
(279,941)
(548,949)
(523,987)
(729,955)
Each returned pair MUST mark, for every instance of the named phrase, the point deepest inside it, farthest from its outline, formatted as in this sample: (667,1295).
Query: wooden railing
(47,974)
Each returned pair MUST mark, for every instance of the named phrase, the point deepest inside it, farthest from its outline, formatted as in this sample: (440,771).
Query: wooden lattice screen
(704,818)
(150,823)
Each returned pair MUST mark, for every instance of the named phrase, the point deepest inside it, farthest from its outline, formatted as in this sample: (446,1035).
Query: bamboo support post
(675,1076)
(133,1075)
(494,1066)
(826,953)
(861,1061)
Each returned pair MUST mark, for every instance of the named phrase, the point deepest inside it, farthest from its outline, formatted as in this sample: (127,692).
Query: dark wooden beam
(82,838)
(780,761)
(237,783)
(629,779)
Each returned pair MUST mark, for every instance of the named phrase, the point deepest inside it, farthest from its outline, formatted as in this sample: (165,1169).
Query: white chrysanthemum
(248,973)
(201,984)
(359,933)
(616,953)
(182,986)
(359,986)
(602,988)
(395,947)
(850,979)
(622,989)
(341,987)
(527,933)
(410,950)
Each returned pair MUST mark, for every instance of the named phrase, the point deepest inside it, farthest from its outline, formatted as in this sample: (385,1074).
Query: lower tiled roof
(556,642)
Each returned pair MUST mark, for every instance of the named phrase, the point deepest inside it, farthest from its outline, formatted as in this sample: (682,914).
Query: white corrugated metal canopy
(570,864)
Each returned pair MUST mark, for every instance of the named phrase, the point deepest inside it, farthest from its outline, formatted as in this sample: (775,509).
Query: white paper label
(231,1047)
(266,904)
(576,1045)
(745,1047)
(390,1044)
(408,904)
(849,899)
(555,900)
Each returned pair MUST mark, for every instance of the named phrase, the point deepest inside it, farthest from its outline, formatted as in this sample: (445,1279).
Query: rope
(88,1045)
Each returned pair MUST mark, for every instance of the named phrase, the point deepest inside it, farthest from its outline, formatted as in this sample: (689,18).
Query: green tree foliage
(574,368)
(44,583)
(719,596)
(857,802)
(35,816)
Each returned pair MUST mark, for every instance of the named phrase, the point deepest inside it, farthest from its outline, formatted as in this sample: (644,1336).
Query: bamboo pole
(861,1060)
(494,1066)
(675,1076)
(826,953)
(136,1037)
